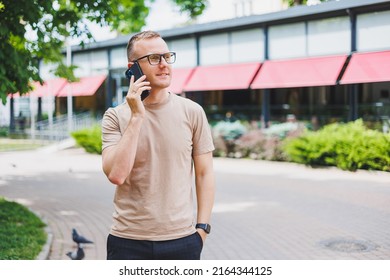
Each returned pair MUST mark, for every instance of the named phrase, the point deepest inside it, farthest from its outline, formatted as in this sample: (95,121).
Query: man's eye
(154,57)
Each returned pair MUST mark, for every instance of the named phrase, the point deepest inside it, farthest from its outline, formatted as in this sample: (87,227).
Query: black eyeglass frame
(159,61)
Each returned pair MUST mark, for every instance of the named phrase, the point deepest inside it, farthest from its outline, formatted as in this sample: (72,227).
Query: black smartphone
(136,71)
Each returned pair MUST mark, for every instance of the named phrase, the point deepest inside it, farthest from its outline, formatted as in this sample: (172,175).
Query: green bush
(90,139)
(348,146)
(4,131)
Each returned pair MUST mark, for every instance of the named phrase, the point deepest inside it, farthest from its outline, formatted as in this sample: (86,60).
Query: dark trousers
(186,248)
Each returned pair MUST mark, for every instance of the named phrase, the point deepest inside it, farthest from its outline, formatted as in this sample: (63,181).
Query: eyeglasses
(155,58)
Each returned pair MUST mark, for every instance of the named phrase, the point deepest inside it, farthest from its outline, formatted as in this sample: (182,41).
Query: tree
(52,22)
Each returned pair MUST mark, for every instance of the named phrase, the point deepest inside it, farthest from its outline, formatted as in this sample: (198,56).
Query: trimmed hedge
(90,139)
(348,146)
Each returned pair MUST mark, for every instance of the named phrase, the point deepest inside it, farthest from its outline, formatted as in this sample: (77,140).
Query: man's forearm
(205,193)
(205,186)
(118,160)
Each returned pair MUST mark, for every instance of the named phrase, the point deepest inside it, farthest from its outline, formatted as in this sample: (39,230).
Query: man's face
(159,75)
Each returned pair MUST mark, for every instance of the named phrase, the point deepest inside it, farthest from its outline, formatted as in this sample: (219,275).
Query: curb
(45,252)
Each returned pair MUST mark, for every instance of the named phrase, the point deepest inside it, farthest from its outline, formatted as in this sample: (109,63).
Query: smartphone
(136,71)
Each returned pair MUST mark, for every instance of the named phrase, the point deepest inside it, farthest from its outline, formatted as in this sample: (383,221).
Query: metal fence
(60,128)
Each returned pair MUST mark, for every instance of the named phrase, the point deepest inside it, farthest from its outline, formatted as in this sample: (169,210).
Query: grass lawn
(22,233)
(7,144)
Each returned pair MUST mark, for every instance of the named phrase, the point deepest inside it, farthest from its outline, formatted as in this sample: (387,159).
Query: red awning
(180,77)
(49,88)
(222,77)
(306,72)
(86,86)
(367,68)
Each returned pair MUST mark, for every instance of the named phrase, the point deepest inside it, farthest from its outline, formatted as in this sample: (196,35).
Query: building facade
(322,63)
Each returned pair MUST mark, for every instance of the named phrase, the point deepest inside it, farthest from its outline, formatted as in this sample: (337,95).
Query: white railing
(59,129)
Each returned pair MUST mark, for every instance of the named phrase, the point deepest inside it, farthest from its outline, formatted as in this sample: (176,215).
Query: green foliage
(4,131)
(22,233)
(193,8)
(49,23)
(299,2)
(348,146)
(90,139)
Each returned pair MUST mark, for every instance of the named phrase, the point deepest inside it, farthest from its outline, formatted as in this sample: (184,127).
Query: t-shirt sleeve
(110,129)
(202,138)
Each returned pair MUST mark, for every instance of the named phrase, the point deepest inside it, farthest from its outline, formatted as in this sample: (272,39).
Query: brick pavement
(263,210)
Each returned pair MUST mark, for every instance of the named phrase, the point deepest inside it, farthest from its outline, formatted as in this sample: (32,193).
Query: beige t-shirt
(156,201)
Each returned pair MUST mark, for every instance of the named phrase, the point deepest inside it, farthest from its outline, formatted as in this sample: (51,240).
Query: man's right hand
(133,96)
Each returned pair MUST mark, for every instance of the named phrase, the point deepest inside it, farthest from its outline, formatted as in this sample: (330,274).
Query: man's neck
(158,97)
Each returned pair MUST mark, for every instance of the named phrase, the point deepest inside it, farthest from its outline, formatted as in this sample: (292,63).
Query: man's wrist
(205,227)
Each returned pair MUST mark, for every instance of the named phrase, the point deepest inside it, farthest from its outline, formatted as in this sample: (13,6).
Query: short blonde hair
(138,37)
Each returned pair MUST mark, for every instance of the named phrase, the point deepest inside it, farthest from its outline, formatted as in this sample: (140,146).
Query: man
(150,149)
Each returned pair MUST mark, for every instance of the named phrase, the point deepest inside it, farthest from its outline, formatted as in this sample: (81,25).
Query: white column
(33,111)
(69,87)
(50,105)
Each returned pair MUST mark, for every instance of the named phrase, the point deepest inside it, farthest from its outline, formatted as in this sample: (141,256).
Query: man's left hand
(202,234)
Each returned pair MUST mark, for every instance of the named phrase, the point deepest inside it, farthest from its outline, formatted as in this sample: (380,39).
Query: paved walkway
(263,210)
